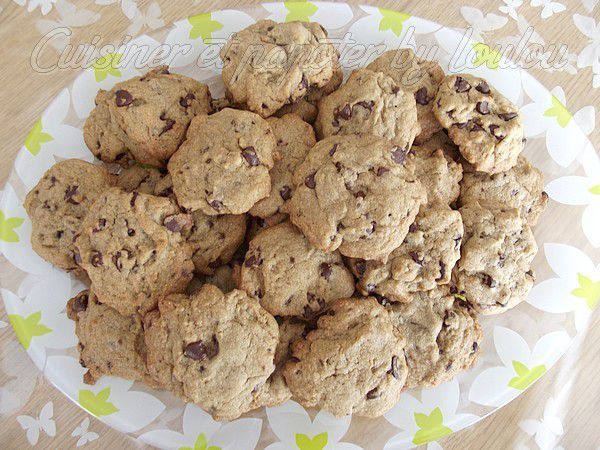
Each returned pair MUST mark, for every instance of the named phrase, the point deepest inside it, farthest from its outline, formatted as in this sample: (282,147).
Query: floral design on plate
(292,425)
(565,132)
(521,366)
(429,419)
(576,289)
(111,399)
(329,15)
(548,429)
(44,422)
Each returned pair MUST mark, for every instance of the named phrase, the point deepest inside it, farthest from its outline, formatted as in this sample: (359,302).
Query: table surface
(573,383)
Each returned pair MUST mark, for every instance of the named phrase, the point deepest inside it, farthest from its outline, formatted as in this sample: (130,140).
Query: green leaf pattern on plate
(588,289)
(392,20)
(299,11)
(559,111)
(431,427)
(203,26)
(318,442)
(26,328)
(107,65)
(97,404)
(201,444)
(37,137)
(525,376)
(7,228)
(484,55)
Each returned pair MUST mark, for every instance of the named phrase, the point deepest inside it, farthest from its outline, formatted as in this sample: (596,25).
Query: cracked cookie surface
(290,277)
(213,349)
(57,206)
(223,166)
(352,363)
(132,248)
(369,103)
(486,126)
(494,271)
(145,118)
(306,60)
(356,193)
(417,76)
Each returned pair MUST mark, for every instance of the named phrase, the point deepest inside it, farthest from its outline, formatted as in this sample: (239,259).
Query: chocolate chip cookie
(290,277)
(145,117)
(132,248)
(223,166)
(268,64)
(444,333)
(57,206)
(486,126)
(439,174)
(109,343)
(417,76)
(494,271)
(213,349)
(423,261)
(352,363)
(369,103)
(520,187)
(294,139)
(356,193)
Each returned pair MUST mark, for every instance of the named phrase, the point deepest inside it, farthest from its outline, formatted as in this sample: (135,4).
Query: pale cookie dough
(133,249)
(109,343)
(369,103)
(290,277)
(145,117)
(439,174)
(443,333)
(57,206)
(223,166)
(486,126)
(213,349)
(268,65)
(521,187)
(356,193)
(494,271)
(423,261)
(294,139)
(352,363)
(417,76)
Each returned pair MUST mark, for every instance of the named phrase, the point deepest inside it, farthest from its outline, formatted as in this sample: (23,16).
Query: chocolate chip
(475,346)
(303,83)
(80,303)
(333,149)
(310,182)
(198,351)
(442,271)
(116,259)
(421,96)
(59,234)
(416,258)
(482,107)
(168,125)
(461,85)
(449,366)
(457,241)
(249,154)
(367,105)
(71,193)
(360,194)
(216,205)
(177,222)
(382,170)
(123,98)
(285,192)
(488,280)
(399,154)
(373,394)
(461,125)
(508,116)
(483,87)
(360,267)
(134,197)
(187,100)
(96,259)
(326,270)
(493,129)
(344,113)
(413,227)
(475,126)
(371,230)
(371,287)
(130,232)
(252,260)
(77,257)
(383,301)
(395,370)
(100,226)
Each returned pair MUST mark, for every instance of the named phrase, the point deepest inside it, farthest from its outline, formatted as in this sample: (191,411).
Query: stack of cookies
(300,238)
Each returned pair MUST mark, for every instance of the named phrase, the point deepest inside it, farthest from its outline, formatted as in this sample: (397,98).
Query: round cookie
(132,248)
(520,187)
(214,239)
(212,349)
(109,343)
(423,261)
(223,166)
(494,271)
(369,103)
(149,115)
(444,336)
(417,76)
(356,193)
(304,59)
(57,206)
(486,126)
(291,278)
(439,174)
(352,363)
(294,139)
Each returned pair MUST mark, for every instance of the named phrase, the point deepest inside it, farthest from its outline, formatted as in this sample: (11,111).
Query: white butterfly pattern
(510,8)
(44,423)
(84,434)
(44,5)
(150,18)
(482,24)
(549,7)
(548,429)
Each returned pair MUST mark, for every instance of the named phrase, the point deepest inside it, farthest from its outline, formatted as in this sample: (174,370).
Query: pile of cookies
(300,238)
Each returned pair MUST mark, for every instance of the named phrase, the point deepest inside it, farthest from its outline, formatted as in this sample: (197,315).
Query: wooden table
(573,382)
